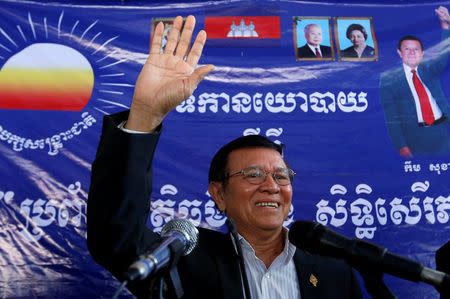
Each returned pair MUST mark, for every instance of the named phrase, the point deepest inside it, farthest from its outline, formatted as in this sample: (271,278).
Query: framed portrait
(355,39)
(168,23)
(313,38)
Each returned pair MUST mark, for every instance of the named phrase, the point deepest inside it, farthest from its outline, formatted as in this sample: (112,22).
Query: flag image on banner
(243,29)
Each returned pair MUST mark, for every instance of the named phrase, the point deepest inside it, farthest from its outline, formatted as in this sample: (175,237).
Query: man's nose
(270,185)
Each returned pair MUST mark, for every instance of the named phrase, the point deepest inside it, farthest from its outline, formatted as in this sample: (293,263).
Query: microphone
(179,237)
(362,255)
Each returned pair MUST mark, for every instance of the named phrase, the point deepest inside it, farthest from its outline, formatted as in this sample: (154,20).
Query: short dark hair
(353,27)
(409,37)
(219,162)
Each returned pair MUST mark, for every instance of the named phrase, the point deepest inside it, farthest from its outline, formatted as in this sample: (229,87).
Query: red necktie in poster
(318,53)
(427,113)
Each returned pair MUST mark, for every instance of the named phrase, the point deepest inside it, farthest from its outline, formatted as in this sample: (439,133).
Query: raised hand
(444,17)
(167,78)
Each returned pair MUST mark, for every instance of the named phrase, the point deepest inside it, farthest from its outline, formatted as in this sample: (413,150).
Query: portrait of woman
(357,35)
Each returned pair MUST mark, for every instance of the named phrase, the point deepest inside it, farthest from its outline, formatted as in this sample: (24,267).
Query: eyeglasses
(256,175)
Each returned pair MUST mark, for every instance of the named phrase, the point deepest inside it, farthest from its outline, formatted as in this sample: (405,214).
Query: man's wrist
(142,118)
(122,127)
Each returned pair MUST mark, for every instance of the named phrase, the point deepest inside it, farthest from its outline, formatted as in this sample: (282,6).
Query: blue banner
(326,79)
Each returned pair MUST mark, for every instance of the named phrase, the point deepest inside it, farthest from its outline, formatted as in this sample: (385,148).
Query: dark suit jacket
(306,52)
(118,208)
(400,110)
(350,52)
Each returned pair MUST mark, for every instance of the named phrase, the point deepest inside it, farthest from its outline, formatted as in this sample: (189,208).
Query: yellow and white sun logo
(61,67)
(32,79)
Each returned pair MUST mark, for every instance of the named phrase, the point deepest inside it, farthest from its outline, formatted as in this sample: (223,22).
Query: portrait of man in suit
(415,107)
(313,48)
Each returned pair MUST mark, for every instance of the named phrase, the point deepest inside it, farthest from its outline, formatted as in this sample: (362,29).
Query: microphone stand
(174,281)
(232,228)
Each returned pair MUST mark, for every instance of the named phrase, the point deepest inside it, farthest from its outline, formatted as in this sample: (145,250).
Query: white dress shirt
(314,49)
(280,280)
(434,106)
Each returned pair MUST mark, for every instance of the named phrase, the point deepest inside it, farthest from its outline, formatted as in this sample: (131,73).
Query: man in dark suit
(249,181)
(416,110)
(313,47)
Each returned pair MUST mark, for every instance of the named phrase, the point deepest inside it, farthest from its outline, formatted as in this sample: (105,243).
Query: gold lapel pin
(313,280)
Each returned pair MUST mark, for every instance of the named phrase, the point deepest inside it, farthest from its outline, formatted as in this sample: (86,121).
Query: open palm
(167,78)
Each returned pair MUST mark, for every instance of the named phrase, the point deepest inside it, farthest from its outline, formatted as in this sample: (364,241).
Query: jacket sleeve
(436,62)
(390,103)
(433,68)
(119,197)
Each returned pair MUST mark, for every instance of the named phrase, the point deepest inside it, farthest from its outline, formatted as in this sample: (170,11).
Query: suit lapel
(403,85)
(324,52)
(307,275)
(228,270)
(407,109)
(311,52)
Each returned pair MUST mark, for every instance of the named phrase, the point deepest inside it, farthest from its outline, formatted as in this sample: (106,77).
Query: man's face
(246,203)
(314,36)
(411,53)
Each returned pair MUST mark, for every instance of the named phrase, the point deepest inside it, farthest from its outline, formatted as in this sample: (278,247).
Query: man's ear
(217,193)
(399,53)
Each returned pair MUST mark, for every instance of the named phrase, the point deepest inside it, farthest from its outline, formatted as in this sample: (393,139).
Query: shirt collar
(408,69)
(313,48)
(288,251)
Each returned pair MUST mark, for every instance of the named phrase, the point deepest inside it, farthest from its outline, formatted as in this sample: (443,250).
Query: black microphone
(362,255)
(179,236)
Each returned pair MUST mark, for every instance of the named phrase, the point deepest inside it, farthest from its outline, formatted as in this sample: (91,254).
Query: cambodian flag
(243,27)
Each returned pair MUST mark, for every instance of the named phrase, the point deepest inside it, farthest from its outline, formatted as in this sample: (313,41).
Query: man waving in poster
(416,110)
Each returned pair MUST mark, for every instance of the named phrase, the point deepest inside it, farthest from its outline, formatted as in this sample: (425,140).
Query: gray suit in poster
(409,134)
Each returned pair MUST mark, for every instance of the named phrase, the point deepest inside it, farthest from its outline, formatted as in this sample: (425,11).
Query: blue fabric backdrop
(327,112)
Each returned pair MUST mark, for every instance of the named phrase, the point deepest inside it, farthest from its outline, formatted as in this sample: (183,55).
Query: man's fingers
(185,39)
(442,11)
(156,39)
(190,84)
(197,49)
(200,73)
(444,17)
(172,40)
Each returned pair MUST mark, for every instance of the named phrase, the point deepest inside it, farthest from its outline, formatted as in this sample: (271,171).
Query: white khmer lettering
(364,211)
(279,102)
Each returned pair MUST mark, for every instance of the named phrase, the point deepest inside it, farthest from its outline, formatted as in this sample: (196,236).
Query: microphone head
(186,229)
(306,235)
(319,239)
